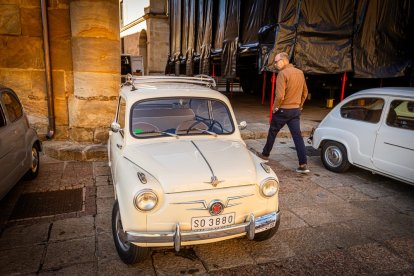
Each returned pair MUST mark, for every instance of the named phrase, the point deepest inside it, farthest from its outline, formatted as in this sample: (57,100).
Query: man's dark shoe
(261,155)
(302,169)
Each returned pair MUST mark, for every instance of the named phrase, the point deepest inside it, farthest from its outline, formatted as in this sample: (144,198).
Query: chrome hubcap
(35,159)
(119,233)
(333,156)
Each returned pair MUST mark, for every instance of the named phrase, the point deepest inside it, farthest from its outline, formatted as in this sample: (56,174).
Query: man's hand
(275,110)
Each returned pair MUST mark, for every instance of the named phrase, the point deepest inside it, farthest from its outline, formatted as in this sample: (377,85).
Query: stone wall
(96,68)
(85,51)
(22,59)
(158,37)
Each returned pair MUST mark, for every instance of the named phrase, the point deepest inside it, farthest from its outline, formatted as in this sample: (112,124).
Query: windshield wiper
(167,133)
(206,131)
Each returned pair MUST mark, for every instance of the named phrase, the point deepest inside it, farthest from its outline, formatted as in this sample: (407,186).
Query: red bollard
(264,86)
(344,78)
(272,98)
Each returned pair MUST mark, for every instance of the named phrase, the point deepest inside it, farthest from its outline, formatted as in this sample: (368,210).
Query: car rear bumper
(250,227)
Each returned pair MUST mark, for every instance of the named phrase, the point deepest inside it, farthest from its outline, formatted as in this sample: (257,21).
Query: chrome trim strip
(205,205)
(398,146)
(178,236)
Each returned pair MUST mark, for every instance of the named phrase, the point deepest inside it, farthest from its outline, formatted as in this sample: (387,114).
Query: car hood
(181,166)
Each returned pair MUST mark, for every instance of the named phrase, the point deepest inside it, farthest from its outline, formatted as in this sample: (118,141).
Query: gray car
(19,144)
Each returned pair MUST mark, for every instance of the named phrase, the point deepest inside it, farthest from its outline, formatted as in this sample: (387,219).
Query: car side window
(363,109)
(401,114)
(13,107)
(2,118)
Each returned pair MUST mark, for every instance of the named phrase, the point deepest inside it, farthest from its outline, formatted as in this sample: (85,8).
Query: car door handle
(119,146)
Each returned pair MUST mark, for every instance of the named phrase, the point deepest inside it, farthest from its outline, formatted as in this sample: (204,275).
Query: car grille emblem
(216,207)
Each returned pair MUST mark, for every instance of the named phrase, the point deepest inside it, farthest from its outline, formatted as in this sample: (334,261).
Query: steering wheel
(215,122)
(202,124)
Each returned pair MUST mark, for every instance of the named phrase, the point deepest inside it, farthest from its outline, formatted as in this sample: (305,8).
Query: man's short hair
(284,55)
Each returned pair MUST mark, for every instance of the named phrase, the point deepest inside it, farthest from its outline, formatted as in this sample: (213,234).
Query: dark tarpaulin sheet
(266,33)
(187,46)
(200,21)
(383,40)
(175,27)
(252,19)
(324,36)
(207,37)
(220,14)
(285,31)
(231,39)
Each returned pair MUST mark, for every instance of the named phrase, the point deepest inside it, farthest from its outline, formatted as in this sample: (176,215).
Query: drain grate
(310,151)
(31,205)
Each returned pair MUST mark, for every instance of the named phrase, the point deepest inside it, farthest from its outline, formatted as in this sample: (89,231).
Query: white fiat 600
(182,174)
(372,129)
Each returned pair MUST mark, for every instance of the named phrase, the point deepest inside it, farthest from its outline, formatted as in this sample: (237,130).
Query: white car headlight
(269,187)
(145,200)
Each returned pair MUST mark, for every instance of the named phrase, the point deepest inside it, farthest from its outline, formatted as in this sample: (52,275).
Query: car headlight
(269,187)
(145,200)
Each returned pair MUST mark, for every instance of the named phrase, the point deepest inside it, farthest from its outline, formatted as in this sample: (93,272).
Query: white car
(372,129)
(182,175)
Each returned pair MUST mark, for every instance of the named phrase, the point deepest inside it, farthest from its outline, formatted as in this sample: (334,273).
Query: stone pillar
(158,37)
(96,68)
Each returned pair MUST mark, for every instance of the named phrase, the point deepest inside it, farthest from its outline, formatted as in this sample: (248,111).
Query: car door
(394,147)
(117,138)
(12,137)
(361,119)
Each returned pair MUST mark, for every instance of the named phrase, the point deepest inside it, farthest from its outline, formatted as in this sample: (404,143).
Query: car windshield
(180,116)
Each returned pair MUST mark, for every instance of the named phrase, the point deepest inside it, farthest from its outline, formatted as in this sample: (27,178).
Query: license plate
(212,222)
(265,222)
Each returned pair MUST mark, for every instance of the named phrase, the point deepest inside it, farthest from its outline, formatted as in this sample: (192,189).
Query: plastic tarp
(383,41)
(324,36)
(231,39)
(285,36)
(175,34)
(188,35)
(206,40)
(220,13)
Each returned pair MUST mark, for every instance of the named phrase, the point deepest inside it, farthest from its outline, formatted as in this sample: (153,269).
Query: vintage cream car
(182,175)
(372,129)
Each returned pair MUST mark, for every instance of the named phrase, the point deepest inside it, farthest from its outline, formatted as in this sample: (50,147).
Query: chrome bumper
(250,227)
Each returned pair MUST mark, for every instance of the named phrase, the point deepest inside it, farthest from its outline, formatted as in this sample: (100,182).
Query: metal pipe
(48,71)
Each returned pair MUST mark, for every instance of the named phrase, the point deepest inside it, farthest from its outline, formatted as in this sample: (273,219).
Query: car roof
(168,89)
(388,91)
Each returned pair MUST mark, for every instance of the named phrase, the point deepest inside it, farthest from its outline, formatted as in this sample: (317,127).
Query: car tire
(128,252)
(34,164)
(334,157)
(265,235)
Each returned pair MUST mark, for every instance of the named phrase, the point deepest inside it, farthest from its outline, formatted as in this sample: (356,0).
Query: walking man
(291,93)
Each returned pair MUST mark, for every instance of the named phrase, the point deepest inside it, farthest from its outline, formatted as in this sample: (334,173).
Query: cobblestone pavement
(332,224)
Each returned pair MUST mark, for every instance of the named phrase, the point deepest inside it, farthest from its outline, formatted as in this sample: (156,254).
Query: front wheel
(334,157)
(128,252)
(34,164)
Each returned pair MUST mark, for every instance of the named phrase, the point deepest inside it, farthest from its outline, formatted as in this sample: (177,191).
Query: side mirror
(115,127)
(242,125)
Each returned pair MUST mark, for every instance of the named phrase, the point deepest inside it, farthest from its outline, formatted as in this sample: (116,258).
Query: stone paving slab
(70,252)
(181,263)
(72,228)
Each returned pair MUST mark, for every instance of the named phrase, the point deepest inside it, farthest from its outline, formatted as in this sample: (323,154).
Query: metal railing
(198,79)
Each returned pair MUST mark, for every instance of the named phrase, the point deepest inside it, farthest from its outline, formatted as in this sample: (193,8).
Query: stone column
(96,68)
(158,37)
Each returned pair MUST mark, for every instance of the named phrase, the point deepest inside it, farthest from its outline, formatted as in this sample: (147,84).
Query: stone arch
(142,48)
